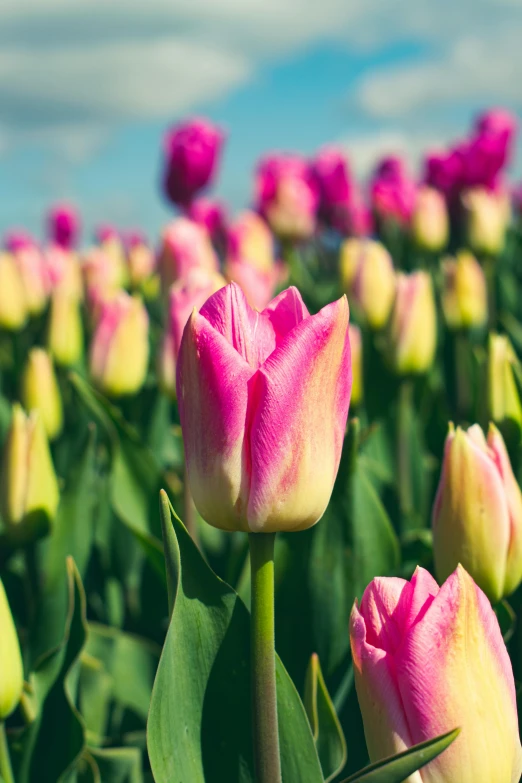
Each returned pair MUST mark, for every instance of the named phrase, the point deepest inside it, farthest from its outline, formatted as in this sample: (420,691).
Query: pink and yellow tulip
(11,667)
(185,245)
(464,293)
(428,660)
(412,333)
(263,401)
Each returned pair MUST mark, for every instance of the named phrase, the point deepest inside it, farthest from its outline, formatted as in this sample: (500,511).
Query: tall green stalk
(6,771)
(264,695)
(404,423)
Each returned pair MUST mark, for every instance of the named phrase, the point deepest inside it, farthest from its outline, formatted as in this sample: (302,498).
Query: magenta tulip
(428,660)
(63,223)
(393,193)
(185,245)
(263,400)
(287,195)
(191,157)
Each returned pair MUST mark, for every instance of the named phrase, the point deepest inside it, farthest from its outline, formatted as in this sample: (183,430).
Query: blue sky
(87,88)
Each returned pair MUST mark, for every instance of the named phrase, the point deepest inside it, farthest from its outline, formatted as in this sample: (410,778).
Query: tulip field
(260,505)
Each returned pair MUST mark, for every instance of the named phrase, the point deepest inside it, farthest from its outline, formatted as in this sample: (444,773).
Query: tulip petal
(212,388)
(385,726)
(285,311)
(300,405)
(453,670)
(378,606)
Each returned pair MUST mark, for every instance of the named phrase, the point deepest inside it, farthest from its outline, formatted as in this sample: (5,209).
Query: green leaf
(326,729)
(55,740)
(199,727)
(118,765)
(397,768)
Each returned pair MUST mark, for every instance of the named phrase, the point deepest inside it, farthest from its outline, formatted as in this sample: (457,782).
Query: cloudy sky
(87,88)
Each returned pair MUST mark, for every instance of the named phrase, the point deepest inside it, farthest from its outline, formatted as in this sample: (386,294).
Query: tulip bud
(428,660)
(412,333)
(504,403)
(357,365)
(211,215)
(191,157)
(477,515)
(430,223)
(11,667)
(141,261)
(488,214)
(373,288)
(184,296)
(393,193)
(350,254)
(287,196)
(40,391)
(29,490)
(263,401)
(64,272)
(13,304)
(119,352)
(65,330)
(184,246)
(464,294)
(32,267)
(104,270)
(63,224)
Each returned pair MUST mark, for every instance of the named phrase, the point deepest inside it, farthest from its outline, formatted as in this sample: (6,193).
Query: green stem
(490,269)
(403,450)
(264,695)
(6,771)
(462,375)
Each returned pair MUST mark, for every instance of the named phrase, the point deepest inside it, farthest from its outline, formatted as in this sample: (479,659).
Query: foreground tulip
(29,489)
(11,668)
(430,222)
(413,325)
(373,285)
(119,352)
(185,245)
(184,296)
(357,364)
(464,293)
(13,304)
(287,196)
(63,225)
(263,401)
(488,216)
(504,404)
(477,515)
(191,158)
(428,660)
(40,391)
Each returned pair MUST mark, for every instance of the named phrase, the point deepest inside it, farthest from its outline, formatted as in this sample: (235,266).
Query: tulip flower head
(504,404)
(477,515)
(488,215)
(40,391)
(13,302)
(140,258)
(464,293)
(336,189)
(357,364)
(412,333)
(29,489)
(63,224)
(192,152)
(430,659)
(430,222)
(185,245)
(373,286)
(11,668)
(119,352)
(393,193)
(263,400)
(211,215)
(287,196)
(184,296)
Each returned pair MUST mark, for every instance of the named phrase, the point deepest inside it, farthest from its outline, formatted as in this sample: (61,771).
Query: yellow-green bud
(11,669)
(40,391)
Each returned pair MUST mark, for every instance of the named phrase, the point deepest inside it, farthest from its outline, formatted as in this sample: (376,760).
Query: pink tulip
(185,295)
(192,152)
(263,400)
(211,215)
(393,193)
(287,196)
(428,660)
(106,233)
(335,187)
(185,245)
(18,239)
(64,225)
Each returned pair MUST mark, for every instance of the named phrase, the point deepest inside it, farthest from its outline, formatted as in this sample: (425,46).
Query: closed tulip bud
(63,223)
(211,215)
(184,296)
(104,270)
(350,253)
(464,294)
(40,391)
(413,325)
(119,352)
(192,152)
(373,287)
(430,222)
(357,364)
(287,196)
(141,260)
(429,659)
(488,214)
(13,303)
(29,489)
(33,271)
(477,515)
(185,245)
(11,668)
(263,400)
(504,405)
(65,329)
(64,272)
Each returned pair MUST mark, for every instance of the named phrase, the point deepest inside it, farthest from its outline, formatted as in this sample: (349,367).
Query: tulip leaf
(397,768)
(55,739)
(326,729)
(118,765)
(198,728)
